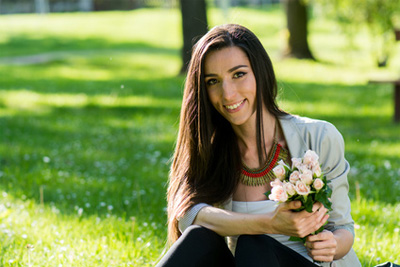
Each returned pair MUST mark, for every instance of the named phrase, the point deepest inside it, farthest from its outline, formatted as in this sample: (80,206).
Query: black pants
(199,247)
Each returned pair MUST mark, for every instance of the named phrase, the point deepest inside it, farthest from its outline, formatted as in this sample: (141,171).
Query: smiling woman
(231,85)
(230,127)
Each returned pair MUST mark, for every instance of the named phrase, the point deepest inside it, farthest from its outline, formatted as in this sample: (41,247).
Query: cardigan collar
(295,142)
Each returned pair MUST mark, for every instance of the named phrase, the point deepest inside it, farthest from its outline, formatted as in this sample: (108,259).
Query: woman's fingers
(300,223)
(322,246)
(307,223)
(292,205)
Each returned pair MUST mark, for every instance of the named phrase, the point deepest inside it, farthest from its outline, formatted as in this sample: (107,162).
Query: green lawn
(88,128)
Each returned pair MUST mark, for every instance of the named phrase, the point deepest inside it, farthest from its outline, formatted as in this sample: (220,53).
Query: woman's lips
(235,107)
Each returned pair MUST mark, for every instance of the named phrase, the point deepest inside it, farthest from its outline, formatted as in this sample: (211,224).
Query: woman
(230,129)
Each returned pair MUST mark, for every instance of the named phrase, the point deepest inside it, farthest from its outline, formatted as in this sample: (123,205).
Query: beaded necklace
(263,175)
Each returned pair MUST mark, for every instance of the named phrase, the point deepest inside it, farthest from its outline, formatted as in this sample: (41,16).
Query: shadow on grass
(22,45)
(92,157)
(171,87)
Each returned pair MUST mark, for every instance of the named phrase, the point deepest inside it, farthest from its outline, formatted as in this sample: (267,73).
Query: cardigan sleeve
(188,218)
(335,167)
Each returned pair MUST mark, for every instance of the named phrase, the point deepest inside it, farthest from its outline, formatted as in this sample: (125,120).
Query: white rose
(310,158)
(278,193)
(318,184)
(276,183)
(296,162)
(279,172)
(289,188)
(307,177)
(317,170)
(294,177)
(302,189)
(303,168)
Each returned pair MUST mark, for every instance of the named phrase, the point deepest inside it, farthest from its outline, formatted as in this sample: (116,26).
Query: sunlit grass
(77,31)
(27,100)
(86,135)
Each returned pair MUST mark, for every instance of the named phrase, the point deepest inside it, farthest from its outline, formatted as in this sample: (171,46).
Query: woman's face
(231,85)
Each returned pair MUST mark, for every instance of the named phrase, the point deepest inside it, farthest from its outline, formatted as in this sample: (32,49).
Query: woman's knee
(200,235)
(255,243)
(255,251)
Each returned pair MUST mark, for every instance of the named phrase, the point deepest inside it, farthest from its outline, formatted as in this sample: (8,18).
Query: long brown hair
(206,163)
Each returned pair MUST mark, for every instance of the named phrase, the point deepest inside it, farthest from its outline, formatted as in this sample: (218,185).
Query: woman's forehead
(224,59)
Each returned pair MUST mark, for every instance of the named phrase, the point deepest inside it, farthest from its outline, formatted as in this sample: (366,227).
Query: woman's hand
(322,246)
(298,224)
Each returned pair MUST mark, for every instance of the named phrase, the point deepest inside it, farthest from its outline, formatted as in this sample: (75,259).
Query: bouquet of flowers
(303,181)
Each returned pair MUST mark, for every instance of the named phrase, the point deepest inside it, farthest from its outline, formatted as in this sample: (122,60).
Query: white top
(259,207)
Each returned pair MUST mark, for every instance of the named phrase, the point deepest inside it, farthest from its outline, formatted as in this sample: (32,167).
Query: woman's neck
(247,138)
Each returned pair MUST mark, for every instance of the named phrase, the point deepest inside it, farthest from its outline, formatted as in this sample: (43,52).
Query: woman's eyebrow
(230,70)
(237,67)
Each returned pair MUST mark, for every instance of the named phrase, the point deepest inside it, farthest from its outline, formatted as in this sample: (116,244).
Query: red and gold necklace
(263,175)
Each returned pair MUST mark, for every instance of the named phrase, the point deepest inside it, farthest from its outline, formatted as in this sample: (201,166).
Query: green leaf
(303,240)
(308,204)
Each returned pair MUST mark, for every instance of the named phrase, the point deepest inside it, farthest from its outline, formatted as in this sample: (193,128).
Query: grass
(87,133)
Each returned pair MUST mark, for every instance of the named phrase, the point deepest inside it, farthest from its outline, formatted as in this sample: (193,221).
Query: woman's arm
(281,221)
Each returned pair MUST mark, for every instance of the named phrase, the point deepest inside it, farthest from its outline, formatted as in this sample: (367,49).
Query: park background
(89,112)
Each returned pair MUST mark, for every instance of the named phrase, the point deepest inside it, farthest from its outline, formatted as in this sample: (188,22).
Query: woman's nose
(228,90)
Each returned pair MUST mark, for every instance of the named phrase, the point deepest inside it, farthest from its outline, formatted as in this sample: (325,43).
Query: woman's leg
(263,250)
(198,246)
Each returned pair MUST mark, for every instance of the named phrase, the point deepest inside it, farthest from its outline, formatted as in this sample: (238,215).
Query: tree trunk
(42,6)
(86,5)
(297,19)
(194,25)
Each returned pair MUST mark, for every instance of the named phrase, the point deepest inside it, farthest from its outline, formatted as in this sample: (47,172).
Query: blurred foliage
(380,17)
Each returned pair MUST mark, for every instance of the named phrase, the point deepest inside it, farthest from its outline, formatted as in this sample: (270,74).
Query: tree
(42,6)
(194,26)
(297,21)
(86,5)
(379,16)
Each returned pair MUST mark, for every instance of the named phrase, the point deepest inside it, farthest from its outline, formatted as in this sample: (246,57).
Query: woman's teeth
(234,106)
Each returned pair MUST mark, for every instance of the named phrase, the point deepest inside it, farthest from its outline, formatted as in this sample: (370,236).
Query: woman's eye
(211,82)
(239,74)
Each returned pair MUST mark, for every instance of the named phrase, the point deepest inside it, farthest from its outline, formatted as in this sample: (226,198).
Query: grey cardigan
(322,137)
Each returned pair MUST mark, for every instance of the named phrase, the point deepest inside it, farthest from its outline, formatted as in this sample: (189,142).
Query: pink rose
(317,170)
(294,177)
(310,158)
(296,162)
(289,188)
(279,172)
(302,189)
(278,193)
(276,183)
(303,168)
(307,177)
(318,184)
